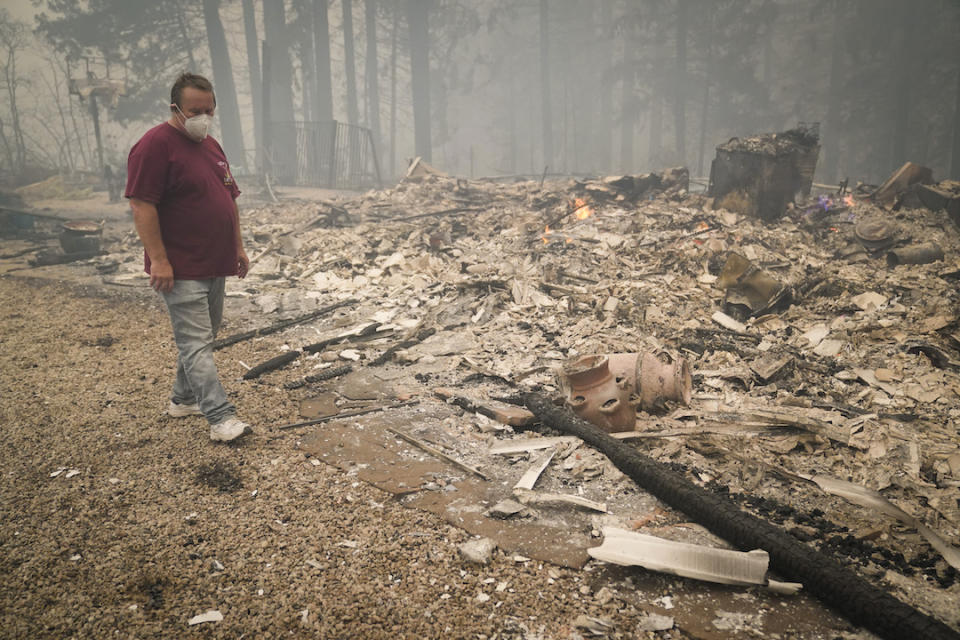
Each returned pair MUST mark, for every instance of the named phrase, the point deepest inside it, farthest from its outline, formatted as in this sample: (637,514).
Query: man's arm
(243,262)
(147,222)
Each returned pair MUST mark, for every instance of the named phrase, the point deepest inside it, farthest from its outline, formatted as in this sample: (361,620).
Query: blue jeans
(196,309)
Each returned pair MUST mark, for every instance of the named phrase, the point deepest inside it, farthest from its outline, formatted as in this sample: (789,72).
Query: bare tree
(372,73)
(418,21)
(13,38)
(253,64)
(353,115)
(545,99)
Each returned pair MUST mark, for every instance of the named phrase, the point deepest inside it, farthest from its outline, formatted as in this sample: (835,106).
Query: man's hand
(243,264)
(161,276)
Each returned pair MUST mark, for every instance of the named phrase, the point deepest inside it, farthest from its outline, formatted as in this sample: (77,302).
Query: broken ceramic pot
(597,395)
(606,390)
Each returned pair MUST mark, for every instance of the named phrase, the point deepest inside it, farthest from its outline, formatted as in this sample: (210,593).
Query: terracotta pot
(598,396)
(663,376)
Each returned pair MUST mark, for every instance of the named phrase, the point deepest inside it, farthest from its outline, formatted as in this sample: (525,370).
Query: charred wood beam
(853,596)
(281,360)
(279,326)
(367,332)
(326,374)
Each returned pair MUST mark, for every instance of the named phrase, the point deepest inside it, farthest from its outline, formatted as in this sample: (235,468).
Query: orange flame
(582,209)
(848,200)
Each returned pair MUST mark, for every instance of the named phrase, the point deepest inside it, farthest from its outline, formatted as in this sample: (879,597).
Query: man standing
(183,200)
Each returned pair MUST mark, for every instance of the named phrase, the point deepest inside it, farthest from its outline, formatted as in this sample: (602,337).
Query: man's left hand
(243,264)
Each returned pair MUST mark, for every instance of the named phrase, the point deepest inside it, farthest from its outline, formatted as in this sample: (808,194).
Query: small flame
(582,209)
(702,226)
(546,232)
(848,200)
(834,229)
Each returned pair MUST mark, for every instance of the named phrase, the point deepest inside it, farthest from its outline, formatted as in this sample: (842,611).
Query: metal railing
(332,154)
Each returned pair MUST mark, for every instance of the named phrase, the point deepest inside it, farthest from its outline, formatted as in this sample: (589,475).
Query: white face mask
(197,126)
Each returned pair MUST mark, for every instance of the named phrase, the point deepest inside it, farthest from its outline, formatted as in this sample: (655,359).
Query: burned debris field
(538,320)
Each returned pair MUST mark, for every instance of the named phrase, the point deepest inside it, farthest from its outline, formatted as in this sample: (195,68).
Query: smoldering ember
(521,350)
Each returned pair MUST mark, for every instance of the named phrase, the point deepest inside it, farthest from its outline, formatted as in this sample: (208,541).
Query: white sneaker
(229,429)
(183,410)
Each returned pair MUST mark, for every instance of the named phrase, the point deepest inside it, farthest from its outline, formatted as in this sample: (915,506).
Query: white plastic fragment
(528,479)
(679,558)
(524,445)
(209,616)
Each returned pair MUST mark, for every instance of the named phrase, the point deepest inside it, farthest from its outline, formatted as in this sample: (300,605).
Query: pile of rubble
(815,356)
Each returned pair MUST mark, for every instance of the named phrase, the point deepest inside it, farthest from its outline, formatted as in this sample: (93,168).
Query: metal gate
(333,155)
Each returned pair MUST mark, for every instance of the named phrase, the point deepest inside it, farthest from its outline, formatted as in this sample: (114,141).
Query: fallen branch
(853,596)
(279,326)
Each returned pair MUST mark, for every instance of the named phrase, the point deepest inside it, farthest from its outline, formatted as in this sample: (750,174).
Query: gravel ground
(148,523)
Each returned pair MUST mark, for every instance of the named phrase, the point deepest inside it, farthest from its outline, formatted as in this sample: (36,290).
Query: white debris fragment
(58,471)
(655,622)
(869,301)
(209,616)
(479,551)
(350,354)
(482,597)
(72,473)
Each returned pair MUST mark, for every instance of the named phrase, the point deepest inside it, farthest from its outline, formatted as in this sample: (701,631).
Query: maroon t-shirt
(191,185)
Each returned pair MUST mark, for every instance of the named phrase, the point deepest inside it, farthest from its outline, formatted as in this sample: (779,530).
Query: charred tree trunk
(253,63)
(226,91)
(353,116)
(708,78)
(955,154)
(901,115)
(394,39)
(279,135)
(278,74)
(679,96)
(545,100)
(418,21)
(628,109)
(321,51)
(831,142)
(373,75)
(605,125)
